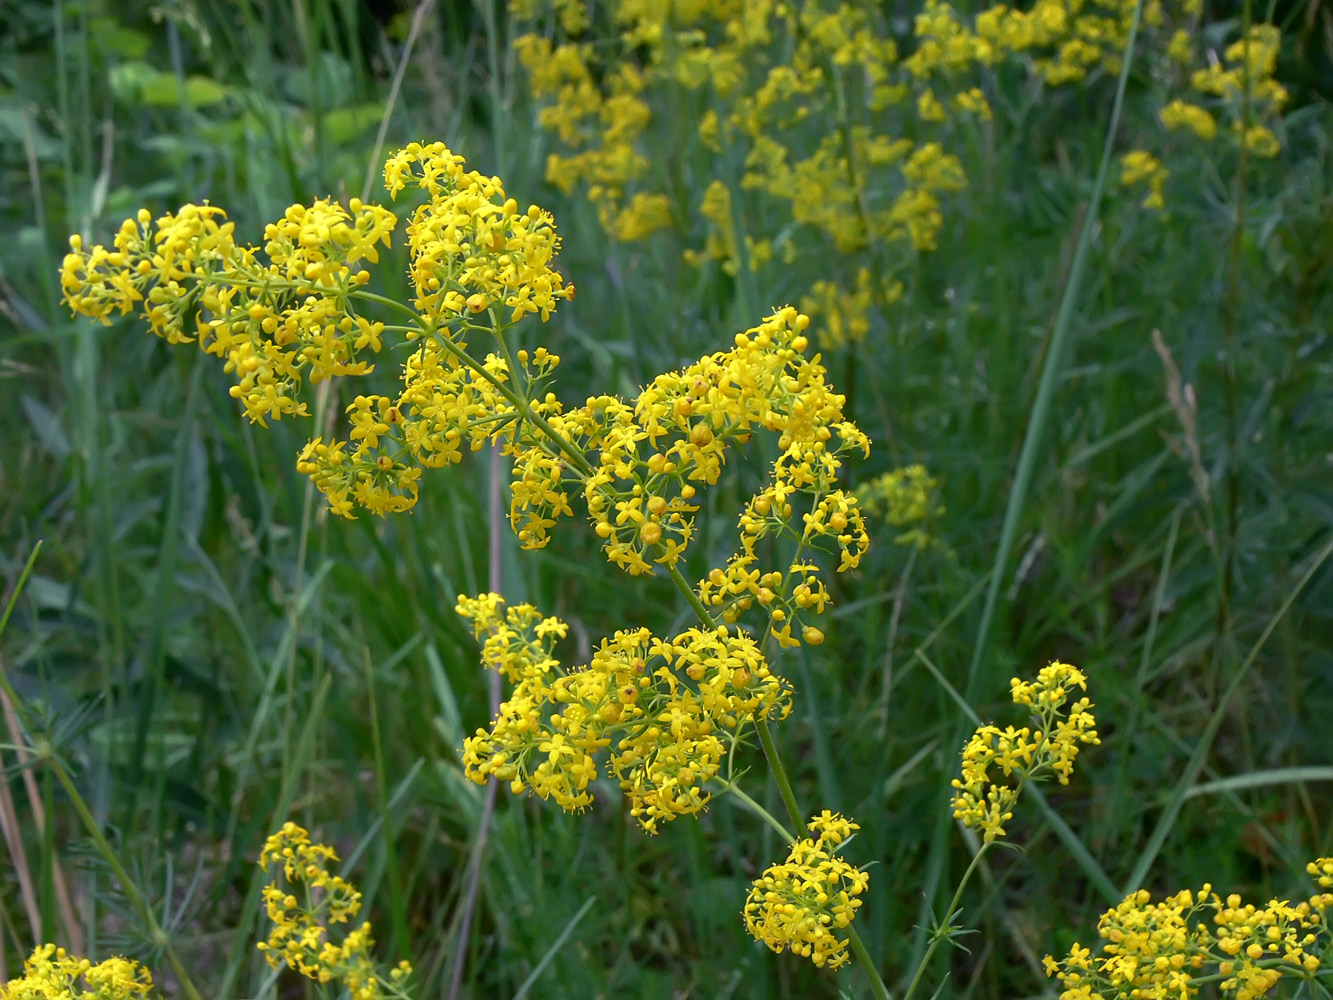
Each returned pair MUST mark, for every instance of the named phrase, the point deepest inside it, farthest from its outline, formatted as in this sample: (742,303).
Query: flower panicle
(52,973)
(806,903)
(303,900)
(1164,949)
(663,711)
(984,799)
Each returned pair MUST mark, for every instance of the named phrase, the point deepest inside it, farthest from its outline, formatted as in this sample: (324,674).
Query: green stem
(691,597)
(579,460)
(18,589)
(868,964)
(156,934)
(384,300)
(735,789)
(939,934)
(779,773)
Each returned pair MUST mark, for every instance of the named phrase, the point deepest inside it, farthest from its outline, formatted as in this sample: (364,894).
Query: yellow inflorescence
(1183,115)
(803,903)
(51,973)
(1164,950)
(302,902)
(1140,168)
(903,498)
(985,800)
(665,710)
(275,324)
(818,104)
(648,458)
(288,312)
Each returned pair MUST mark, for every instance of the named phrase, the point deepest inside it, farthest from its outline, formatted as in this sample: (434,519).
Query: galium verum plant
(661,715)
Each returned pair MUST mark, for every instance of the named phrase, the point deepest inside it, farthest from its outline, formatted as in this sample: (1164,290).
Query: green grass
(209,655)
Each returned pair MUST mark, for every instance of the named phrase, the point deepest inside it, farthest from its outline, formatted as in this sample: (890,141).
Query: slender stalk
(734,789)
(691,597)
(156,934)
(18,589)
(779,773)
(868,964)
(524,407)
(939,933)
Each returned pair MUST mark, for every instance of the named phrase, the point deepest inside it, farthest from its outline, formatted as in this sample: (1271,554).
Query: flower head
(803,903)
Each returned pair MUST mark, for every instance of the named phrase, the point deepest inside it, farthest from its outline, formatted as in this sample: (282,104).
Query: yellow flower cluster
(1138,167)
(472,250)
(903,498)
(302,902)
(275,324)
(829,123)
(646,459)
(1183,115)
(1240,86)
(845,313)
(476,263)
(288,313)
(1165,950)
(51,973)
(804,902)
(1242,82)
(665,710)
(1021,755)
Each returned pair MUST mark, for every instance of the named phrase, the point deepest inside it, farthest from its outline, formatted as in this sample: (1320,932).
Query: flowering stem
(779,773)
(691,597)
(941,933)
(577,457)
(523,405)
(784,788)
(384,300)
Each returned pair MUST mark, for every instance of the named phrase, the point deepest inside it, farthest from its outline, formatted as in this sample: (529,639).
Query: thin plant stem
(939,933)
(159,937)
(734,789)
(867,963)
(18,587)
(691,597)
(779,773)
(43,752)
